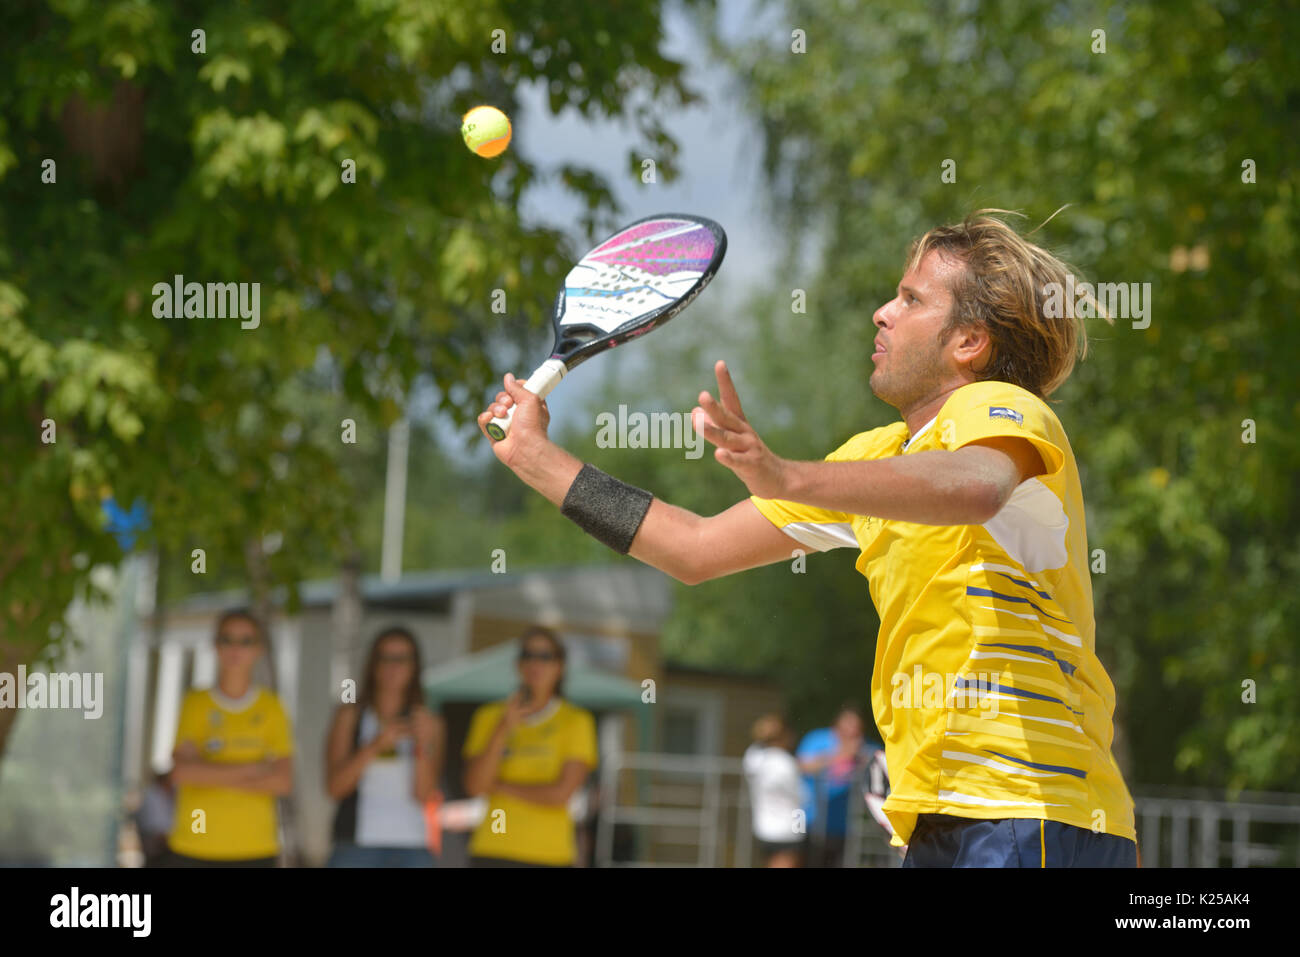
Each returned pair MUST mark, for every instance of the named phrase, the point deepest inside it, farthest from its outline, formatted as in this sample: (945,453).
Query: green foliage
(227,165)
(1147,141)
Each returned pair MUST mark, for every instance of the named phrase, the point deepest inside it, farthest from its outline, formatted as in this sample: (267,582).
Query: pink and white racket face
(639,272)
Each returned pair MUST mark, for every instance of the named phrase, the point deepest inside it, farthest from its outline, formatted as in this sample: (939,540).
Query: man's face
(911,364)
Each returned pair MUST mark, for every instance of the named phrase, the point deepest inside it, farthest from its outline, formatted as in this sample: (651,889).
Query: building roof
(627,594)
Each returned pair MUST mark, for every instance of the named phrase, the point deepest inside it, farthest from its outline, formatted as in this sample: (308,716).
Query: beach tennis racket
(633,282)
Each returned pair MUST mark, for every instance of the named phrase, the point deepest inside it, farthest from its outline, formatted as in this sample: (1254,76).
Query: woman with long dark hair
(384,756)
(528,755)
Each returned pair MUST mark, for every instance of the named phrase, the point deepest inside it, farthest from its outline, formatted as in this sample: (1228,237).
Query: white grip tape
(546,377)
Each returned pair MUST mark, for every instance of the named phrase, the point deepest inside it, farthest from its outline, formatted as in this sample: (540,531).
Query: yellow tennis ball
(486,130)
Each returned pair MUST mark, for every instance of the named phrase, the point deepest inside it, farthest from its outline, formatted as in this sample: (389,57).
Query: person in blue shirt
(830,759)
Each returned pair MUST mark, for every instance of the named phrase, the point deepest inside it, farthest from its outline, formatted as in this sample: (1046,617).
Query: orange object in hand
(432,825)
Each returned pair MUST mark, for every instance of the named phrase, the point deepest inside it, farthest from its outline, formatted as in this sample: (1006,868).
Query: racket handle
(540,383)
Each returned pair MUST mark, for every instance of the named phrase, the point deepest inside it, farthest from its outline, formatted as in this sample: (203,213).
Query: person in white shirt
(384,758)
(776,792)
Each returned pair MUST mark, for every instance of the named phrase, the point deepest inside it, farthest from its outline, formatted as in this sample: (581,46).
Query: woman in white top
(776,792)
(384,758)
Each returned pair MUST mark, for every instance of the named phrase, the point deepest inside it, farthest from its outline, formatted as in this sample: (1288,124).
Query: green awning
(491,675)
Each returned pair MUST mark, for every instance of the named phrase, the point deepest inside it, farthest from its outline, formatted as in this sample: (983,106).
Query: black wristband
(608,510)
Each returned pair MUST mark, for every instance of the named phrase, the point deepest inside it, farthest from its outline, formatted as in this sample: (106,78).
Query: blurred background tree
(1171,133)
(1171,128)
(140,141)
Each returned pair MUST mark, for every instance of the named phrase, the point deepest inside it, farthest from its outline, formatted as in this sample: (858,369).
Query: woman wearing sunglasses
(528,755)
(383,762)
(233,758)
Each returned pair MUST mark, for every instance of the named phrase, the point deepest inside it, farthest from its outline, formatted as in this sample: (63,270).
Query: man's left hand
(738,446)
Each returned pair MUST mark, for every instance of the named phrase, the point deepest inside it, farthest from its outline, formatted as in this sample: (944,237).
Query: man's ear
(975,349)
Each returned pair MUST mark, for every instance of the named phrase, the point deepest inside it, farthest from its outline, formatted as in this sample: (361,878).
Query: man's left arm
(964,486)
(967,486)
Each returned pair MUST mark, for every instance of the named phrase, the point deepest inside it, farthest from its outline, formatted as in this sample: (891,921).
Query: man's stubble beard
(911,381)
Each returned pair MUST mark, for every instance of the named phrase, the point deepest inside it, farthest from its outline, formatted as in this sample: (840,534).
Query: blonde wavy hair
(1003,290)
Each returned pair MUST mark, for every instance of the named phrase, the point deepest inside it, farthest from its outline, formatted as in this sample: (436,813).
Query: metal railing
(679,804)
(1190,828)
(696,811)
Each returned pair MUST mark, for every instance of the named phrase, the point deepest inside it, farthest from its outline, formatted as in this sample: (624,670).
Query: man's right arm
(695,549)
(678,542)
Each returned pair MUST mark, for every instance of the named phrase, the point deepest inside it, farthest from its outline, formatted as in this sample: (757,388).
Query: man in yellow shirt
(968,519)
(233,758)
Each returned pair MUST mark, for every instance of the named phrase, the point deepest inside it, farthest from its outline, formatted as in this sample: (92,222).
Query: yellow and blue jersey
(987,688)
(536,752)
(235,824)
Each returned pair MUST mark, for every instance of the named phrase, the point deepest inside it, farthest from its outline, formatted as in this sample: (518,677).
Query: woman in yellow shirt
(233,758)
(528,755)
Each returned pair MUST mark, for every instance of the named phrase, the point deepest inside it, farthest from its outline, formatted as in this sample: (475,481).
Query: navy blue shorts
(942,840)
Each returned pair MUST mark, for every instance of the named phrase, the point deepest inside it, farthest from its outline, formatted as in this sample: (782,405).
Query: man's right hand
(528,427)
(527,451)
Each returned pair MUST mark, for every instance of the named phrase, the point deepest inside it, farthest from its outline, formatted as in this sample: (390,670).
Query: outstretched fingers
(714,424)
(727,390)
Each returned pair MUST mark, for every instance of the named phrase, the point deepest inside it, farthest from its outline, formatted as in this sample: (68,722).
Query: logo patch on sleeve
(999,412)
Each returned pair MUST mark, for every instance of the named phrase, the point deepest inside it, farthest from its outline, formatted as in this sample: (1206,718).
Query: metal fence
(1200,829)
(695,811)
(662,810)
